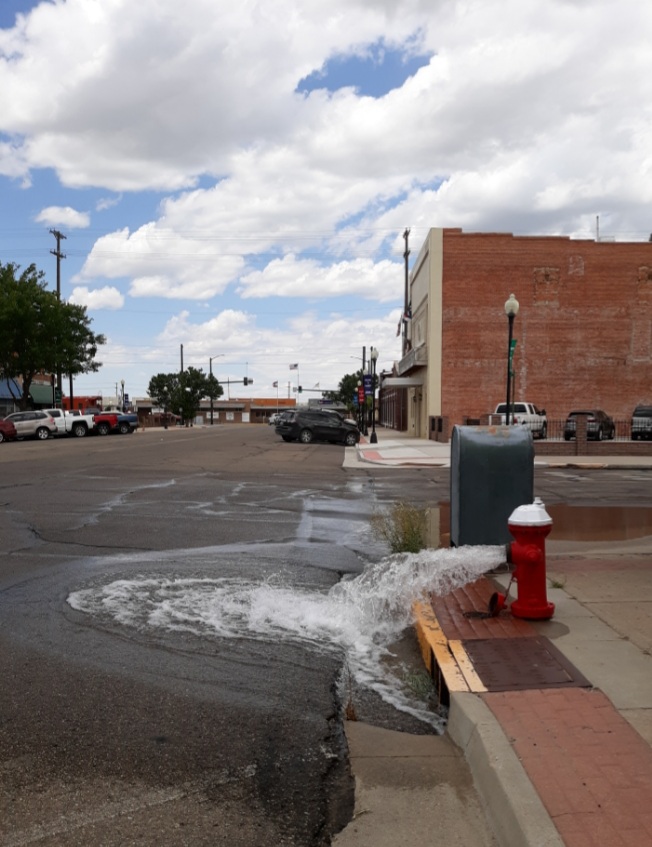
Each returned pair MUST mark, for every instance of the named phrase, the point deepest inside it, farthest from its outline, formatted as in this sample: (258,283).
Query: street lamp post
(122,383)
(511,310)
(210,368)
(374,356)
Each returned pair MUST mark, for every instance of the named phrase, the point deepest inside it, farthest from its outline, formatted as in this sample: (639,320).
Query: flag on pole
(294,367)
(275,384)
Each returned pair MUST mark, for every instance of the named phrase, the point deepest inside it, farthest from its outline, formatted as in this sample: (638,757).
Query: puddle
(569,523)
(599,523)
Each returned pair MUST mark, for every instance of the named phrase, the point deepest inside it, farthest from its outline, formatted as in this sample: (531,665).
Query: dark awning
(41,394)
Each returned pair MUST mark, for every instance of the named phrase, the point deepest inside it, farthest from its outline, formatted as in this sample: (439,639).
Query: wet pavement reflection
(570,523)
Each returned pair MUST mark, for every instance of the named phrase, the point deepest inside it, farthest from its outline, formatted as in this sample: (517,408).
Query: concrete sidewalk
(395,449)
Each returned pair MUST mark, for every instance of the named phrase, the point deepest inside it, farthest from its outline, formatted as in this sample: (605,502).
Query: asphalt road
(114,735)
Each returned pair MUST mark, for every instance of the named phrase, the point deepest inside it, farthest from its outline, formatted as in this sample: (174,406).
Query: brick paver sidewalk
(591,769)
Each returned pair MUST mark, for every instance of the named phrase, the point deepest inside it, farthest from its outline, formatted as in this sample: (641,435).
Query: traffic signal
(299,389)
(246,380)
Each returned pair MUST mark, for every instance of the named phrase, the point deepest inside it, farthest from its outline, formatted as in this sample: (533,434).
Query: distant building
(256,410)
(84,401)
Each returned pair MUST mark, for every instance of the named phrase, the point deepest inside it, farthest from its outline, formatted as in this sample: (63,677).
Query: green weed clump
(403,527)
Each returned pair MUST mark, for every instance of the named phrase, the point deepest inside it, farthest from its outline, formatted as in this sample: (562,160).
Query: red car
(7,430)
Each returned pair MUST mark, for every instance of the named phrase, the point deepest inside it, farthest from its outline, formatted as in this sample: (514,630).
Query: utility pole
(406,254)
(59,236)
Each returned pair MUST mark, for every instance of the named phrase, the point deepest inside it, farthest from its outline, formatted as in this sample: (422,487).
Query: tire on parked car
(306,436)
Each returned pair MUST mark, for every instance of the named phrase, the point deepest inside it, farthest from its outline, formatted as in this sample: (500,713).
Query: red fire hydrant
(530,525)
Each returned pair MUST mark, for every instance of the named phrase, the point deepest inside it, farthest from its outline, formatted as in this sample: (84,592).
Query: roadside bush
(403,527)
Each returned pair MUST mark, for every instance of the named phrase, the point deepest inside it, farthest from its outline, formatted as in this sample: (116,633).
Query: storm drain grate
(516,664)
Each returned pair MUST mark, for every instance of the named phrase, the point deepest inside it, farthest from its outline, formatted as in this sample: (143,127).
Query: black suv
(642,423)
(318,425)
(599,425)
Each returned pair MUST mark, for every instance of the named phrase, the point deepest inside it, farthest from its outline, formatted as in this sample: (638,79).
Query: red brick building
(583,330)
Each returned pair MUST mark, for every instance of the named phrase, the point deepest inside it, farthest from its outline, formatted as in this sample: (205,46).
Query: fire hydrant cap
(532,514)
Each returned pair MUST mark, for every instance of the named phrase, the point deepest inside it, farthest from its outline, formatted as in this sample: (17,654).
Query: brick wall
(584,328)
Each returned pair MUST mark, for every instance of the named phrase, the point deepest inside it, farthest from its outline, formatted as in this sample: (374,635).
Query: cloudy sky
(236,177)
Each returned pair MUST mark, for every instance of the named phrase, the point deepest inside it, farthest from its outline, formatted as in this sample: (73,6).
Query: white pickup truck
(71,424)
(524,414)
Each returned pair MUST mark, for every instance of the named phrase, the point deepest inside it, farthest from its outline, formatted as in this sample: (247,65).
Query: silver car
(33,424)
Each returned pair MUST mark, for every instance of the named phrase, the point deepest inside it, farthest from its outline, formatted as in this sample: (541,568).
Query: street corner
(367,453)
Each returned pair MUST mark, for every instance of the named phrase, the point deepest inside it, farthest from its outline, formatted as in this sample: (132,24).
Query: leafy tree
(76,345)
(183,392)
(39,333)
(161,388)
(348,389)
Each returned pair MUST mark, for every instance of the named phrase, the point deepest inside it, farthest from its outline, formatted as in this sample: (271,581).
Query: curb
(514,808)
(538,463)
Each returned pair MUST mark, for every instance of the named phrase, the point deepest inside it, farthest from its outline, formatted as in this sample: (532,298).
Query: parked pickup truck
(642,423)
(525,414)
(71,424)
(107,422)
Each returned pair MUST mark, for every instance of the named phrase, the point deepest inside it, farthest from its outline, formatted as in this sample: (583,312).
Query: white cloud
(191,84)
(541,86)
(63,216)
(107,203)
(289,277)
(163,263)
(529,117)
(99,298)
(326,347)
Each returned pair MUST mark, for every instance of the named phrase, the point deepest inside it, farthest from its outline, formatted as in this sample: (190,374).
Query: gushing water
(358,617)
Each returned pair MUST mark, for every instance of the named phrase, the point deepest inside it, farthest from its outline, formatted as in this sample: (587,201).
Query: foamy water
(359,618)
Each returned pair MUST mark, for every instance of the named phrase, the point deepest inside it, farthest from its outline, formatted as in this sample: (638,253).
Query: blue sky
(237,180)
